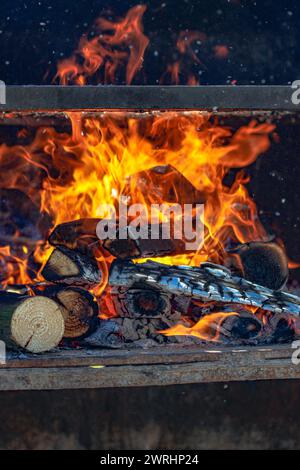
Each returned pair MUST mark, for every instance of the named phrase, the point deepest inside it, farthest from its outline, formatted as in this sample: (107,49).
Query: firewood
(82,236)
(21,221)
(142,301)
(240,327)
(71,267)
(136,329)
(144,247)
(33,323)
(77,234)
(207,283)
(106,335)
(264,263)
(78,307)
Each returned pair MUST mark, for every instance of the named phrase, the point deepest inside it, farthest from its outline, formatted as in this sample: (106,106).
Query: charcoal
(242,327)
(106,335)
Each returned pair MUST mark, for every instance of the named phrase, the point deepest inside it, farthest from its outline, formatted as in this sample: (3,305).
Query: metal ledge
(165,365)
(42,98)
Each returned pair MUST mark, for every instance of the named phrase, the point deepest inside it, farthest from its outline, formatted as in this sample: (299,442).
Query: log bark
(21,221)
(207,283)
(71,267)
(243,328)
(78,234)
(33,323)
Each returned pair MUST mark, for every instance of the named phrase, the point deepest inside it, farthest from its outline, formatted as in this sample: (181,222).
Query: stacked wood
(71,267)
(142,301)
(33,323)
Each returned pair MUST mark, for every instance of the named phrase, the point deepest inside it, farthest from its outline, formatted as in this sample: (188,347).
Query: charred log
(162,183)
(138,329)
(106,335)
(263,263)
(283,329)
(142,301)
(33,323)
(82,236)
(78,234)
(78,307)
(71,267)
(207,283)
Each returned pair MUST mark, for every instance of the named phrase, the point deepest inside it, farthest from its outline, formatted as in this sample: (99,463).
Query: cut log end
(79,311)
(71,267)
(37,324)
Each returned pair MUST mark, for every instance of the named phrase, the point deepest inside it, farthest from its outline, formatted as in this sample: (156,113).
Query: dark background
(262,36)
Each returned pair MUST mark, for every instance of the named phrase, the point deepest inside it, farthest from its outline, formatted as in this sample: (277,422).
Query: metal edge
(248,97)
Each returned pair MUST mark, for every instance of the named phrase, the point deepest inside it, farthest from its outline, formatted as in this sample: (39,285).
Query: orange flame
(116,45)
(207,328)
(70,175)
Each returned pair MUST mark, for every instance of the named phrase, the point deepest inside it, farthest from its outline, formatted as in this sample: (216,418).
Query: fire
(207,328)
(115,46)
(69,175)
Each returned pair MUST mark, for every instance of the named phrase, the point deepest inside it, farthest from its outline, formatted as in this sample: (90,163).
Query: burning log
(263,263)
(144,247)
(241,327)
(142,301)
(78,307)
(163,183)
(34,323)
(82,236)
(207,283)
(137,329)
(71,267)
(20,219)
(78,234)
